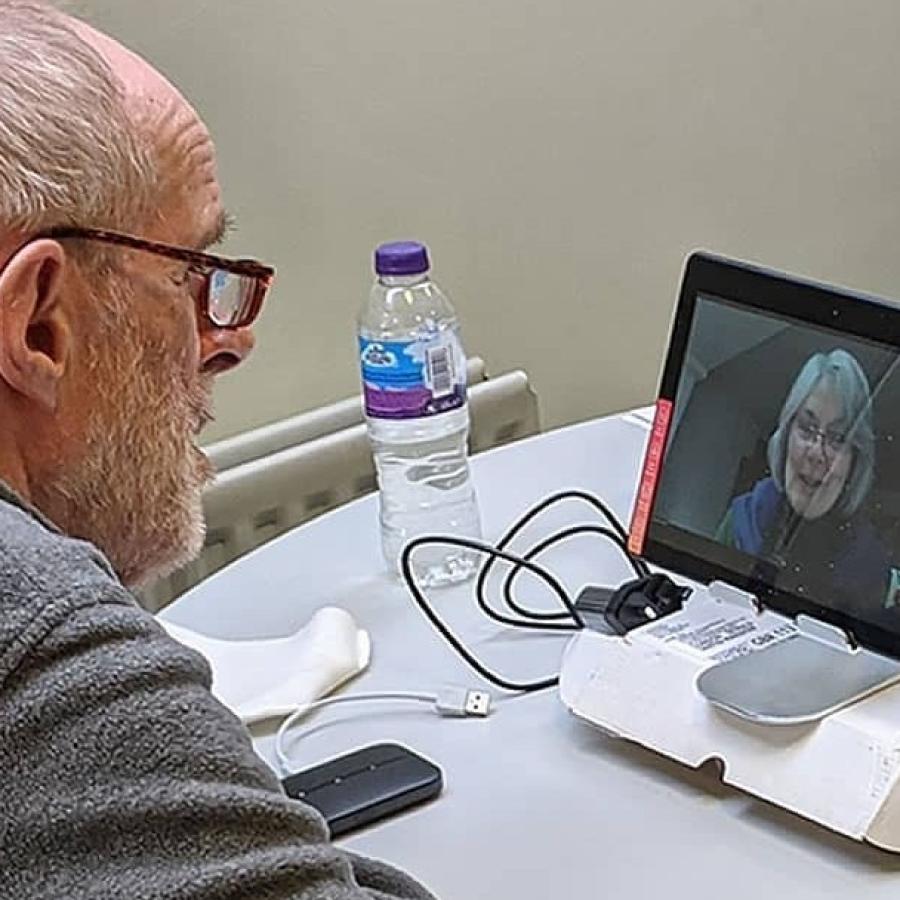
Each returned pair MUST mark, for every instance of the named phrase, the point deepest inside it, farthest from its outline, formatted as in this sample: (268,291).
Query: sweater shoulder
(44,577)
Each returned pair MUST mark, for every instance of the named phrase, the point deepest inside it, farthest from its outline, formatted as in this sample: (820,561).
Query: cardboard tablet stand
(840,771)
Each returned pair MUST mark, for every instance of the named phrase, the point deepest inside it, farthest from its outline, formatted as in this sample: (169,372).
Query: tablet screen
(781,462)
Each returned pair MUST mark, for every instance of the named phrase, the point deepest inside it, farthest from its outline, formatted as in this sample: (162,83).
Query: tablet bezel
(775,294)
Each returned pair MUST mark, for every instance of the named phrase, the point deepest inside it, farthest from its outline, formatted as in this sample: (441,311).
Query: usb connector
(451,701)
(456,701)
(478,703)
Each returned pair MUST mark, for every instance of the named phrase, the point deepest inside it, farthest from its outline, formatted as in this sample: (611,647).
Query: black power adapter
(635,603)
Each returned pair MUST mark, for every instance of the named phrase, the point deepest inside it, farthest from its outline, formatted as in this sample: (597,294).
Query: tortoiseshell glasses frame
(228,293)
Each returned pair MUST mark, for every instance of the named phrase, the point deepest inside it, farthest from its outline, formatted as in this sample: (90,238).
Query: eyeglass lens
(810,434)
(230,297)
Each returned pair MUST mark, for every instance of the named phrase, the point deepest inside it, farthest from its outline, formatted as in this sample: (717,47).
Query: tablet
(773,460)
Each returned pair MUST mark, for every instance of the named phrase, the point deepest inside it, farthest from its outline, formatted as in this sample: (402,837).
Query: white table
(537,805)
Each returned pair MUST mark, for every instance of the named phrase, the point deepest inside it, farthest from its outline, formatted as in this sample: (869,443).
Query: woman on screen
(807,514)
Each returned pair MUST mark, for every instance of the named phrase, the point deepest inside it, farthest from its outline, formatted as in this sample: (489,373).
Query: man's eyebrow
(224,224)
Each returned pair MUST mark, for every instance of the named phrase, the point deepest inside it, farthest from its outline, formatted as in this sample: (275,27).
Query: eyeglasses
(229,293)
(833,442)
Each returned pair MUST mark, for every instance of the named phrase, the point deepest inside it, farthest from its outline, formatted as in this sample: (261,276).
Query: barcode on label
(440,370)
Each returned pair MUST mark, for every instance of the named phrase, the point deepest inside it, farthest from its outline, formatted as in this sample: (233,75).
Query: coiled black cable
(525,618)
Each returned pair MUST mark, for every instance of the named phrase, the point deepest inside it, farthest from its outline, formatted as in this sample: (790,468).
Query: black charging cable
(525,618)
(553,540)
(618,535)
(450,637)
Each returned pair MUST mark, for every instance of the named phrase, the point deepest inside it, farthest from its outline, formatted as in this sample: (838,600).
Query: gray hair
(69,154)
(849,381)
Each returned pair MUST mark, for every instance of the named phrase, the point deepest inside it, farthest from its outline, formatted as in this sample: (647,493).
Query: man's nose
(222,349)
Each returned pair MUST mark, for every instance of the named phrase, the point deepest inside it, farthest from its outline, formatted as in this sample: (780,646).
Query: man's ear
(35,336)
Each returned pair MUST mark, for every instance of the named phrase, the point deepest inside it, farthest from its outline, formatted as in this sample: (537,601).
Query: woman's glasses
(229,293)
(809,434)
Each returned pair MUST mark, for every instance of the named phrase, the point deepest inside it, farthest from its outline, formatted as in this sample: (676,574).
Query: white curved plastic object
(260,679)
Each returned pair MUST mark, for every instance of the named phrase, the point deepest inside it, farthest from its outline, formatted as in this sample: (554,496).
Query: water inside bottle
(426,489)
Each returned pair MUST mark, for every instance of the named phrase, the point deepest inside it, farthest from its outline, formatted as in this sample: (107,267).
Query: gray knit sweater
(120,775)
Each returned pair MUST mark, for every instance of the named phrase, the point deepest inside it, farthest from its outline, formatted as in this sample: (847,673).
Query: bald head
(182,146)
(142,83)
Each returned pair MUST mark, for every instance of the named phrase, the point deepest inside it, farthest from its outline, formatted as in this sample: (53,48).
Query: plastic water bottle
(414,384)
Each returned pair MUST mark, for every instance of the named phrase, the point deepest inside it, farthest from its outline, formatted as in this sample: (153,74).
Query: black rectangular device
(366,785)
(774,459)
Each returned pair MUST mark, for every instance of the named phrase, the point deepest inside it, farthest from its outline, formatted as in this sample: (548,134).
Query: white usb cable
(452,701)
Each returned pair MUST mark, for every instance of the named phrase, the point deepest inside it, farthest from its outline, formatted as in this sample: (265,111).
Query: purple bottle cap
(401,258)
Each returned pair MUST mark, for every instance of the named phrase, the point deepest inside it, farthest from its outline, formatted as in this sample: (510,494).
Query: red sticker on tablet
(640,519)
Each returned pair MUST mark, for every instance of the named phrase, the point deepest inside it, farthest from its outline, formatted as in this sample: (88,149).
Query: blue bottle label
(412,379)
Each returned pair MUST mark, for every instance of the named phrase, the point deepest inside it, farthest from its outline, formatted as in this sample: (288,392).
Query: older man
(120,776)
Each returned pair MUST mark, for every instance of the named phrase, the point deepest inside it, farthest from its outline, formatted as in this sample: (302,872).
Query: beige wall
(560,158)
